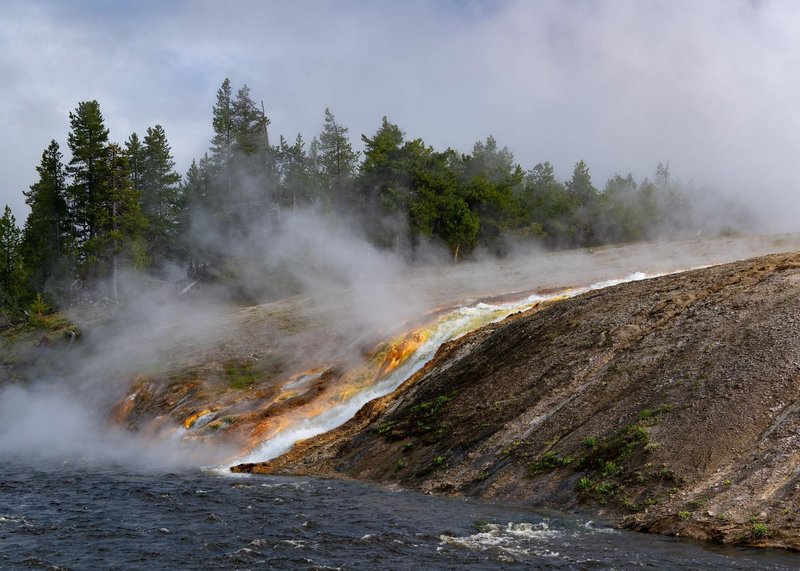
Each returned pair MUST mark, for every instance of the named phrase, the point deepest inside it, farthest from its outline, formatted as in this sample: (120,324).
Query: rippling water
(72,516)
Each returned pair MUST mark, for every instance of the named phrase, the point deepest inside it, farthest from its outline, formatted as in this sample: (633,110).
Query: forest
(114,207)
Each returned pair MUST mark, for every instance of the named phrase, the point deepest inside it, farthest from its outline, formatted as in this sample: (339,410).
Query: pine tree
(250,124)
(297,179)
(243,170)
(118,237)
(135,153)
(584,193)
(47,234)
(254,160)
(491,181)
(12,273)
(160,196)
(384,185)
(580,185)
(222,122)
(337,159)
(88,141)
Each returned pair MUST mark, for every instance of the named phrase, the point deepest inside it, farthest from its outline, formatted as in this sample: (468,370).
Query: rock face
(669,405)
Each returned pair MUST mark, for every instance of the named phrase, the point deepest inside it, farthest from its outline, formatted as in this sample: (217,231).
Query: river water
(85,516)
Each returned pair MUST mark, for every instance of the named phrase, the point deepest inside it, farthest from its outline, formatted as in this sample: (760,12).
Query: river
(85,515)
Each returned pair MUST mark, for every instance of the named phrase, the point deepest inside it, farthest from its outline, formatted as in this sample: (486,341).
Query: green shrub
(759,531)
(548,461)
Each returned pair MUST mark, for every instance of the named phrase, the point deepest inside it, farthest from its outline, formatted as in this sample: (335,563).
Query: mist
(62,409)
(49,422)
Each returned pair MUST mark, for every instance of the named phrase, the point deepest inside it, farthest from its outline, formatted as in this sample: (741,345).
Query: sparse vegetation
(421,420)
(245,374)
(241,375)
(548,461)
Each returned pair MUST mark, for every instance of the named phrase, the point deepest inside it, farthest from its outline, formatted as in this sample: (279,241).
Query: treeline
(124,205)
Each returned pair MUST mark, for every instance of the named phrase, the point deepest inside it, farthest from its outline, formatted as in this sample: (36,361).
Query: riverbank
(669,405)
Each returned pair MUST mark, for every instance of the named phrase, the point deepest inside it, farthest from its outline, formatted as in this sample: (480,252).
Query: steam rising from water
(47,422)
(350,284)
(63,414)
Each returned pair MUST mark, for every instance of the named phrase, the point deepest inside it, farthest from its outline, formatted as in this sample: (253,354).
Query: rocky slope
(669,405)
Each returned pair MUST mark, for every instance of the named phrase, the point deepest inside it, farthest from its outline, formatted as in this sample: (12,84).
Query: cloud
(708,86)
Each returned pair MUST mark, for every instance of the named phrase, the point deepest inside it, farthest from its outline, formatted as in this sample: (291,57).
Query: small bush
(584,484)
(611,469)
(759,531)
(590,441)
(548,461)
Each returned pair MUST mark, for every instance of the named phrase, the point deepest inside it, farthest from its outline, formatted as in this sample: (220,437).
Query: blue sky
(710,86)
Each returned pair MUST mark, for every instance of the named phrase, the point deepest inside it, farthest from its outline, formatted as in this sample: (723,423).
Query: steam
(334,263)
(62,413)
(314,420)
(49,422)
(342,284)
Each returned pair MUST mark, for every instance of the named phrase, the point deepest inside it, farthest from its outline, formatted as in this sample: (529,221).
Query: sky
(711,87)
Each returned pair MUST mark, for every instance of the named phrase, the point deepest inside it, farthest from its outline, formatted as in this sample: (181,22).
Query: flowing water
(363,385)
(85,516)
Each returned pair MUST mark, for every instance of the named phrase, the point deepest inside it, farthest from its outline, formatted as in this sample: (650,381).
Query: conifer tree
(135,153)
(47,234)
(12,273)
(585,195)
(222,123)
(337,160)
(118,237)
(160,196)
(88,141)
(296,176)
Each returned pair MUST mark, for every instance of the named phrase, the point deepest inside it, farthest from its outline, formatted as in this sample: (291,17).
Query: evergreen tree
(582,190)
(440,208)
(250,125)
(222,143)
(12,273)
(255,161)
(47,234)
(118,235)
(243,171)
(385,185)
(546,205)
(580,185)
(88,141)
(617,219)
(297,178)
(491,179)
(337,160)
(135,153)
(160,196)
(381,170)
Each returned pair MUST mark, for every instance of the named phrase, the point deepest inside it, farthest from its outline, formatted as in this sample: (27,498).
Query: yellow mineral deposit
(192,418)
(400,352)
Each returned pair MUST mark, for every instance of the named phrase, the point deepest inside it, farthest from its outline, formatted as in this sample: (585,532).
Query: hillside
(668,405)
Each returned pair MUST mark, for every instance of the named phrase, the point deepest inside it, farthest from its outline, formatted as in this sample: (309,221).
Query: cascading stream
(388,370)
